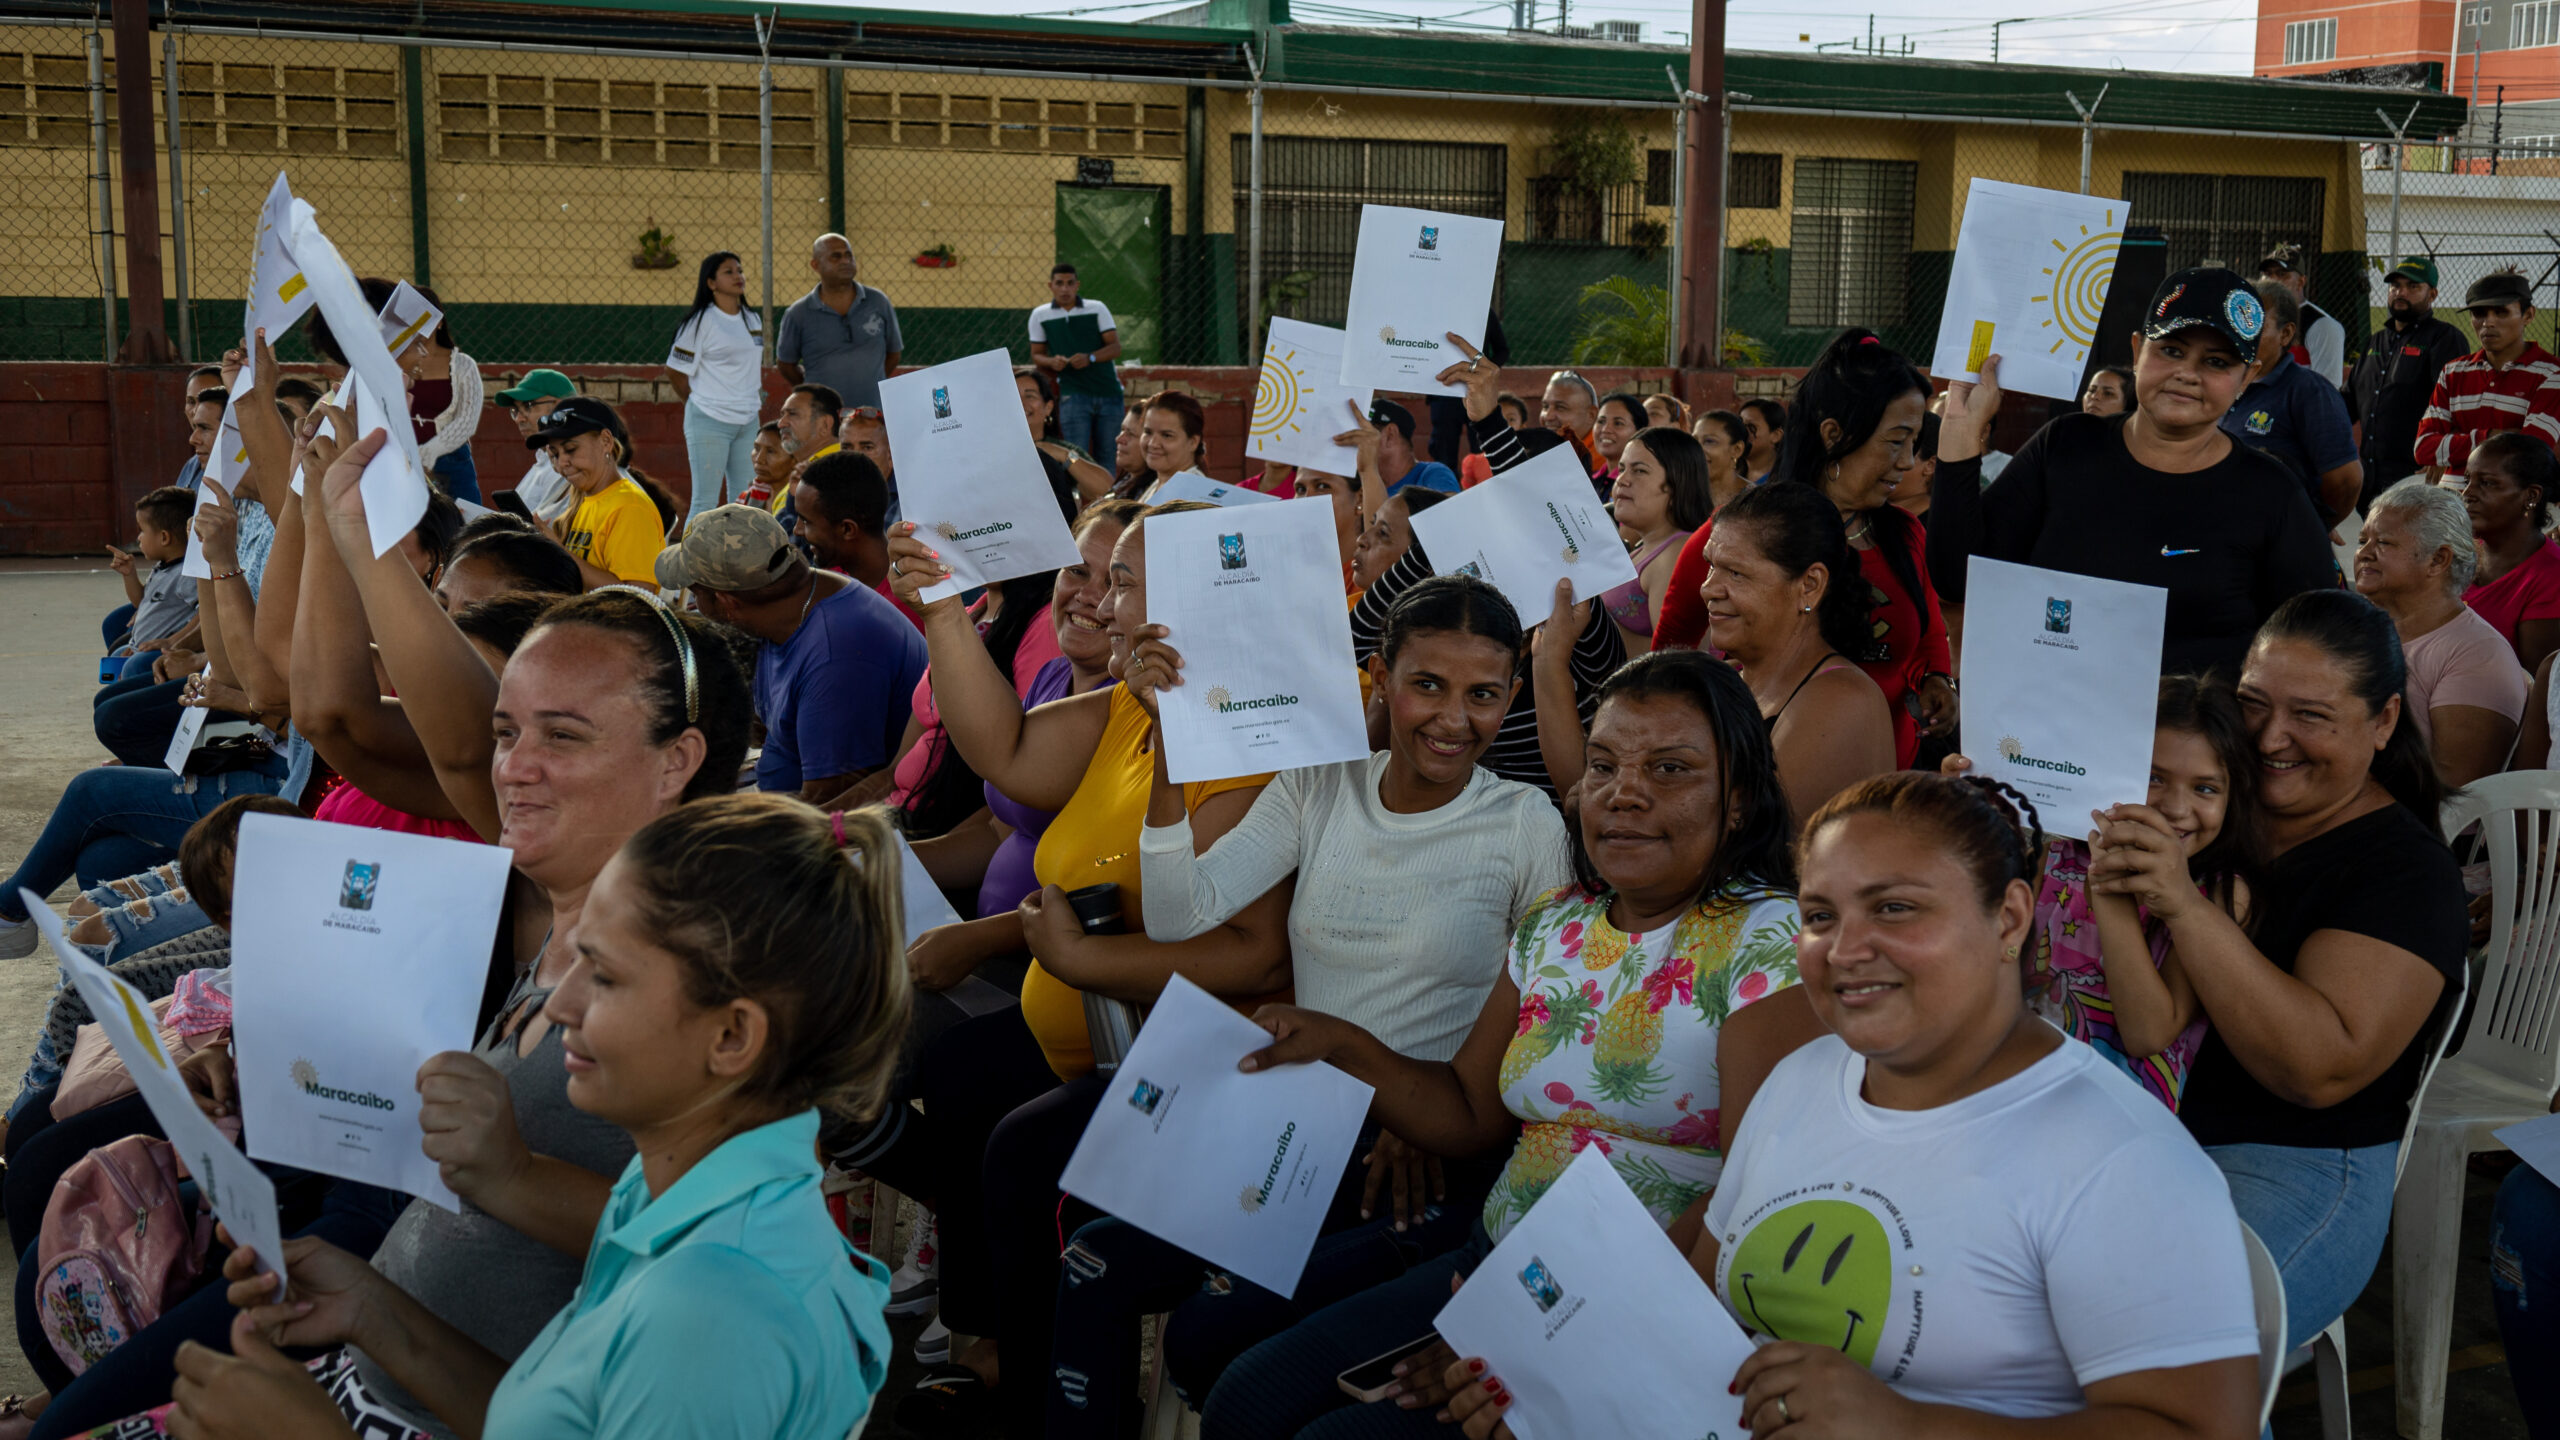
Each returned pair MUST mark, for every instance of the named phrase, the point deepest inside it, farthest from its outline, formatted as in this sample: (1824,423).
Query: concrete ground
(49,614)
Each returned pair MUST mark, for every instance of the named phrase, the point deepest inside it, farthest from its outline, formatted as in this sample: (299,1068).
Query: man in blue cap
(2396,376)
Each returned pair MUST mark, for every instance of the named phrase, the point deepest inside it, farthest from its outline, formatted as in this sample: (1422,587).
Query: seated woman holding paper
(1638,1011)
(711,1026)
(2466,691)
(2080,1264)
(1172,440)
(1007,1093)
(1851,436)
(2159,496)
(1040,407)
(1363,838)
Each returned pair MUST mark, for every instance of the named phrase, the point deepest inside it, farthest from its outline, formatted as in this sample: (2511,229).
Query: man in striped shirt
(2492,388)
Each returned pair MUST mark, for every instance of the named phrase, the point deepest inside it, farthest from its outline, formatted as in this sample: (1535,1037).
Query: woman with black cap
(2158,496)
(616,530)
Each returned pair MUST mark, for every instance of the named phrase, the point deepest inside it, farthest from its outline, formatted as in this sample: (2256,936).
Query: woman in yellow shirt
(614,531)
(993,1083)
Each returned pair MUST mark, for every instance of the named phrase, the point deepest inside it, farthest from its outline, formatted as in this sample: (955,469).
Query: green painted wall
(1756,305)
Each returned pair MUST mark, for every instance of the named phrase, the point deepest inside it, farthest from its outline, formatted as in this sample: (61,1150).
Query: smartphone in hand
(1368,1380)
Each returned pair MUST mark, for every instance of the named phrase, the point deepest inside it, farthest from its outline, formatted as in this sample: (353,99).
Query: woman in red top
(2508,486)
(1852,434)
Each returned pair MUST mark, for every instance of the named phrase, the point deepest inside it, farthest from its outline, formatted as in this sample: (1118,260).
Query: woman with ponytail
(713,1027)
(2301,1090)
(1852,436)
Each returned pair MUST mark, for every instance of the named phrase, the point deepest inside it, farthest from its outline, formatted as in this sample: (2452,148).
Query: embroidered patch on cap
(2168,300)
(2245,313)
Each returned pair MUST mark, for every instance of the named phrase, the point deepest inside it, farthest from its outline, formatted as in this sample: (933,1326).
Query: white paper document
(1417,278)
(2536,1142)
(1526,528)
(278,298)
(238,1191)
(1300,402)
(1255,696)
(1596,1323)
(182,742)
(968,475)
(406,317)
(395,483)
(925,904)
(2028,284)
(2061,681)
(356,955)
(1238,1169)
(1192,485)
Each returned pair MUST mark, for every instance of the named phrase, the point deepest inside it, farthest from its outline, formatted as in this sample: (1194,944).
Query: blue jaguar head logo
(2057,615)
(1231,552)
(2246,315)
(1430,237)
(941,402)
(356,893)
(1541,1284)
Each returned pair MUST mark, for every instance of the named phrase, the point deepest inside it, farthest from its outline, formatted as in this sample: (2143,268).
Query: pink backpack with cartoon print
(119,1247)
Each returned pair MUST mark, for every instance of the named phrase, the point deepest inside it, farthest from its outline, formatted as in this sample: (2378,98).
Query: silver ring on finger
(894,568)
(1785,1416)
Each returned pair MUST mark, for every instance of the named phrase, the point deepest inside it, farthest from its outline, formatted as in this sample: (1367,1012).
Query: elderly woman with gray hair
(2466,691)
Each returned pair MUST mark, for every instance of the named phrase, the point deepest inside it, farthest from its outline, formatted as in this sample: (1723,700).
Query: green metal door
(1114,236)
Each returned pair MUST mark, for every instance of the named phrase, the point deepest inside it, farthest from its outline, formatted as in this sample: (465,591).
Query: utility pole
(1698,310)
(2479,15)
(1995,33)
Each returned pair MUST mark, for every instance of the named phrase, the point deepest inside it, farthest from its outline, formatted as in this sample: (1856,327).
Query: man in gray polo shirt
(843,335)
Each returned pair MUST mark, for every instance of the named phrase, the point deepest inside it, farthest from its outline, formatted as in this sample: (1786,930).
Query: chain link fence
(2473,208)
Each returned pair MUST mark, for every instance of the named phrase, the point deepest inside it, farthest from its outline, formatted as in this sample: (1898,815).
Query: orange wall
(2368,33)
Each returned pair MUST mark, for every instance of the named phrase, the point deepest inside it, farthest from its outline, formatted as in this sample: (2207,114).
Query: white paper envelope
(926,906)
(1195,486)
(2061,681)
(1596,1323)
(405,317)
(1253,597)
(1238,1169)
(238,1191)
(1300,402)
(2536,1142)
(1418,277)
(1526,528)
(2029,281)
(394,485)
(356,955)
(968,475)
(182,742)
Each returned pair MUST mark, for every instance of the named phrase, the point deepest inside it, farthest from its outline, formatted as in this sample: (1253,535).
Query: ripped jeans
(1112,1274)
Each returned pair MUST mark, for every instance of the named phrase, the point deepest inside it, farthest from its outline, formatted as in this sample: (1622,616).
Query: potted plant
(940,257)
(657,249)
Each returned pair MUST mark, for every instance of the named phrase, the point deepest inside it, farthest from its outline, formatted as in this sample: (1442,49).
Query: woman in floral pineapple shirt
(1640,1008)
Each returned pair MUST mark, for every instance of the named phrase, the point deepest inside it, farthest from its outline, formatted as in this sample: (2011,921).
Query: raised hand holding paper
(406,317)
(394,483)
(1298,399)
(1526,528)
(2061,680)
(278,297)
(1595,1322)
(238,1191)
(1254,696)
(357,955)
(1193,486)
(2028,283)
(1417,278)
(968,475)
(1236,1168)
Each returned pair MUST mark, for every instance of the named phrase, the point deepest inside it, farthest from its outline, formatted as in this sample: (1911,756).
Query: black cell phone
(513,504)
(1368,1380)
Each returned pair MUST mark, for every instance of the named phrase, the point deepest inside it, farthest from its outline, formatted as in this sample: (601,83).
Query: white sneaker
(916,1286)
(17,939)
(933,1347)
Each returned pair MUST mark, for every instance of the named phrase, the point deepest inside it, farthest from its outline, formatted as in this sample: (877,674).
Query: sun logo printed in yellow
(143,1030)
(305,1075)
(1218,697)
(947,530)
(1280,395)
(1251,1200)
(2010,749)
(2077,292)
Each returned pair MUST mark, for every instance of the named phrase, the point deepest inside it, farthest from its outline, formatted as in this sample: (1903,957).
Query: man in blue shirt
(2294,415)
(1396,464)
(839,667)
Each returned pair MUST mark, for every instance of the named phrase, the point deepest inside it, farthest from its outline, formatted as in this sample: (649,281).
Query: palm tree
(1624,322)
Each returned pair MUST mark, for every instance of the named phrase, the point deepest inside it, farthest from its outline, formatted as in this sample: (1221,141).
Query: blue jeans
(720,455)
(2323,1215)
(118,819)
(1285,1386)
(1092,423)
(460,474)
(117,625)
(2524,1266)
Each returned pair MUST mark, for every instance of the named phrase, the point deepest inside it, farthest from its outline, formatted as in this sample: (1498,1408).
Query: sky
(2200,36)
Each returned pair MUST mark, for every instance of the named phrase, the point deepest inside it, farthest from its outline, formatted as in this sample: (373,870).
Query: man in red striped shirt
(2492,388)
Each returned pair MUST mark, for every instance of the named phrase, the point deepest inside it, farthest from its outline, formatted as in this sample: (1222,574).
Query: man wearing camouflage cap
(839,665)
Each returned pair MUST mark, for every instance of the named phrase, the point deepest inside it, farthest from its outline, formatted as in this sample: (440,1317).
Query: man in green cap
(528,402)
(2398,373)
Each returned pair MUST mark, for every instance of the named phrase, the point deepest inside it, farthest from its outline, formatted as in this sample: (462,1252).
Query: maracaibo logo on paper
(2016,754)
(949,531)
(1257,1196)
(1387,333)
(1223,701)
(306,1078)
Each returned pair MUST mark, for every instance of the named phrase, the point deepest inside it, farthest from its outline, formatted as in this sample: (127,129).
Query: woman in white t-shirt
(1944,1207)
(717,365)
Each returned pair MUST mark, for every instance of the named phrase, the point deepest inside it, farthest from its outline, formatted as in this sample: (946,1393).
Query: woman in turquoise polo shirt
(718,1297)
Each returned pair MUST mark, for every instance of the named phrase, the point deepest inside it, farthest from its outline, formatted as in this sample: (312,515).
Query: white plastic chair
(2348,531)
(2266,1293)
(2505,1073)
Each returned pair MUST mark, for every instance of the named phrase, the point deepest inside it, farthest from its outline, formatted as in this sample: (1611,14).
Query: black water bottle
(1110,1025)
